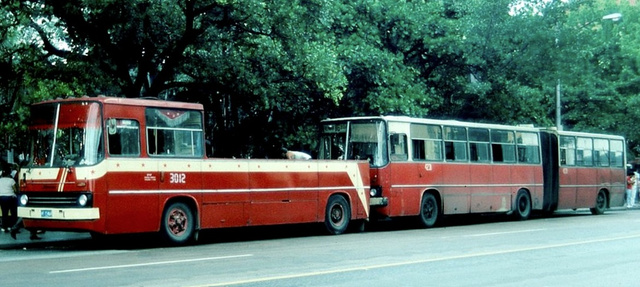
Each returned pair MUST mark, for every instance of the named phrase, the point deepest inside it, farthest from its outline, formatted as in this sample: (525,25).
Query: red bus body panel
(130,193)
(402,173)
(464,188)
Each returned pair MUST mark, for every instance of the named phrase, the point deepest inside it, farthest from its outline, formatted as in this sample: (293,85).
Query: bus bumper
(59,213)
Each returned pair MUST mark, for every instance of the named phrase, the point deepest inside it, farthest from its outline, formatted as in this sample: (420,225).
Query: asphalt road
(567,249)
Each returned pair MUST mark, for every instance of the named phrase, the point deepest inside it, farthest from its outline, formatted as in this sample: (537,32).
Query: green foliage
(269,71)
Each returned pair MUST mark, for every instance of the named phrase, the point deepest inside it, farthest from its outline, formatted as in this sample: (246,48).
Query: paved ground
(22,238)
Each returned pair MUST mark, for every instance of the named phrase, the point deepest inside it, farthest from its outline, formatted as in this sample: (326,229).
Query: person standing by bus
(636,186)
(631,189)
(289,154)
(8,203)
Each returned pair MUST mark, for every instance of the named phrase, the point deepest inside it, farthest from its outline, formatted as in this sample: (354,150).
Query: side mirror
(111,126)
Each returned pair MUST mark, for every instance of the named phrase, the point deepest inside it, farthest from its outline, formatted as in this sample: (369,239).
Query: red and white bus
(432,168)
(114,165)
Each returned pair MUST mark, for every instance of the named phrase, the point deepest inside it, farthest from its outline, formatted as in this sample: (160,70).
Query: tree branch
(48,46)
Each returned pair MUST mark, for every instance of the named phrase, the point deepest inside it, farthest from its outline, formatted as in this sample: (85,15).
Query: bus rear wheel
(601,204)
(429,210)
(178,224)
(337,215)
(523,205)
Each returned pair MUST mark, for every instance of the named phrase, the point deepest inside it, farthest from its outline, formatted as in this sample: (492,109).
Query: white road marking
(414,262)
(149,263)
(503,233)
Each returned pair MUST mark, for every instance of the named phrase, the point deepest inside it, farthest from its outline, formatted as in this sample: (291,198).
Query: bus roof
(584,134)
(436,122)
(473,125)
(130,102)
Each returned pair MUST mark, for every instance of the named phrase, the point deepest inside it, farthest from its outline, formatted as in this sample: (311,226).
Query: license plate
(46,213)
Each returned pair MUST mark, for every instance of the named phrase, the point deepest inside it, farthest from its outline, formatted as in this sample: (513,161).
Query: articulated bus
(113,165)
(430,168)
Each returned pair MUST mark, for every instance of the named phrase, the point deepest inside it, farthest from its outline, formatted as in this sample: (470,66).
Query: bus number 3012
(178,178)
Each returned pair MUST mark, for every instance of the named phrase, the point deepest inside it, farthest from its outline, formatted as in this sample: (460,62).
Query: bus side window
(584,152)
(479,145)
(124,138)
(399,147)
(601,152)
(503,146)
(426,141)
(174,132)
(455,144)
(528,147)
(617,153)
(567,150)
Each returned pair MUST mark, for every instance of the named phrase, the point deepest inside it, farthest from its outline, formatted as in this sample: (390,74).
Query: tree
(268,71)
(507,57)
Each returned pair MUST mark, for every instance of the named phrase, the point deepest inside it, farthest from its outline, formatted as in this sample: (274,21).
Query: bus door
(590,179)
(132,180)
(409,179)
(586,178)
(483,196)
(456,173)
(568,173)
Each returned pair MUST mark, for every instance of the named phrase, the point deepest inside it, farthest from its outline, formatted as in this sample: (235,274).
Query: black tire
(429,211)
(337,215)
(522,206)
(178,224)
(601,204)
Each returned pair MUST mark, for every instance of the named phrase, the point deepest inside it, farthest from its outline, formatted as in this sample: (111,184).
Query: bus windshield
(66,134)
(360,140)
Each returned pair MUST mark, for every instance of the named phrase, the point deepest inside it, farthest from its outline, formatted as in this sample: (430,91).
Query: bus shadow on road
(260,233)
(212,236)
(407,223)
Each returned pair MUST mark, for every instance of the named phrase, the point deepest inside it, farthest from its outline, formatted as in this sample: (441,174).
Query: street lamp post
(614,17)
(558,107)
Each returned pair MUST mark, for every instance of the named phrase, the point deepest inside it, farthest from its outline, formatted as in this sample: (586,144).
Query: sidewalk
(22,238)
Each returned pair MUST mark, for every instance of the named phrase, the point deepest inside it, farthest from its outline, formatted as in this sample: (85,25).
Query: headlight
(82,200)
(373,192)
(24,199)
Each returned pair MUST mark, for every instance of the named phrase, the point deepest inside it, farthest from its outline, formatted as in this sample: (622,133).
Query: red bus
(114,165)
(430,168)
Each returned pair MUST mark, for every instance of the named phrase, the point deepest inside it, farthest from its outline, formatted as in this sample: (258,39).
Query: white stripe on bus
(464,185)
(335,188)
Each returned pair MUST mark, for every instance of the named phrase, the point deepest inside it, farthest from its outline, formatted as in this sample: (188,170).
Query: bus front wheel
(429,210)
(337,215)
(523,205)
(601,204)
(178,223)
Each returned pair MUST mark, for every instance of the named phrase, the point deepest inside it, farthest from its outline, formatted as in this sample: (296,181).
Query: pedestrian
(631,189)
(19,225)
(8,201)
(635,187)
(289,154)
